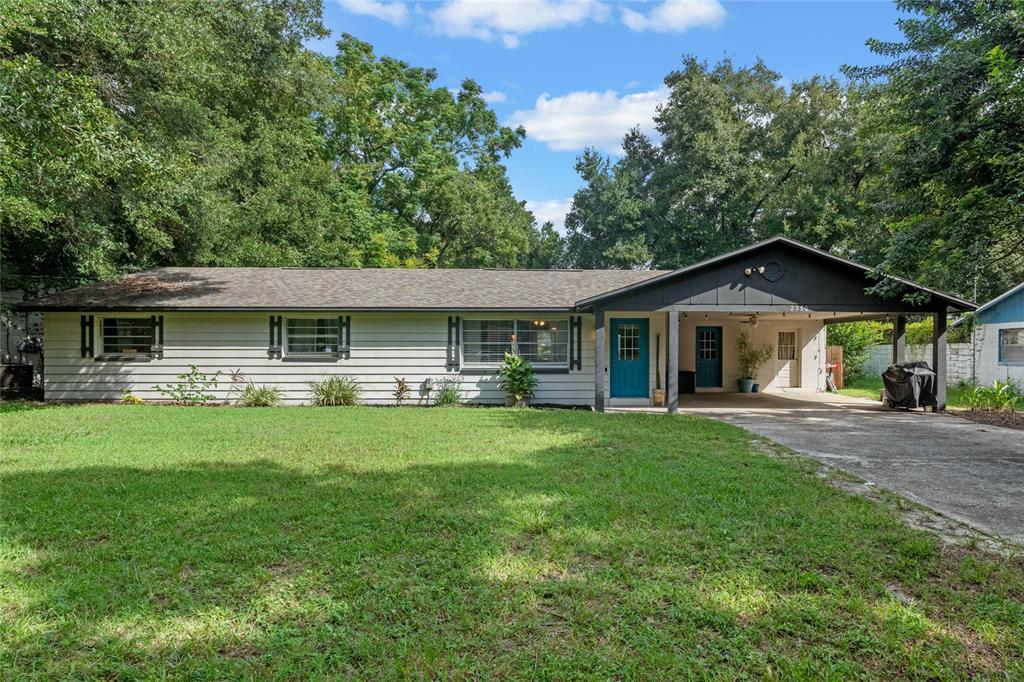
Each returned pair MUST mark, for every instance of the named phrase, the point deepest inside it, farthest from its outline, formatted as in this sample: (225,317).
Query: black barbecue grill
(910,385)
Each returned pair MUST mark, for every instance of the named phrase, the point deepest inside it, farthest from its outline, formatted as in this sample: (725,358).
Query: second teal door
(629,367)
(709,357)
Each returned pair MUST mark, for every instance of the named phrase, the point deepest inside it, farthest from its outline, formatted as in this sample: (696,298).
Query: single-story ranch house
(602,338)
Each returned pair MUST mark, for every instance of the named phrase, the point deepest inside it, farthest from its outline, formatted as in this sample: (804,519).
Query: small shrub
(920,332)
(1001,395)
(236,387)
(193,389)
(517,377)
(129,398)
(976,398)
(402,391)
(856,338)
(335,391)
(1004,396)
(260,396)
(448,391)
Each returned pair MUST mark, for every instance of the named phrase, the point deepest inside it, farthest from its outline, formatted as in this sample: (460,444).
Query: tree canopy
(947,119)
(141,134)
(739,158)
(135,135)
(915,167)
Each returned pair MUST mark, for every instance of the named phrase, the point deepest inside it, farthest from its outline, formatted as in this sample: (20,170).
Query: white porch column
(672,381)
(599,359)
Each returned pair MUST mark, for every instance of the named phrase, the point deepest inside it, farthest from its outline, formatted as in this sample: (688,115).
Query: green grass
(296,543)
(869,387)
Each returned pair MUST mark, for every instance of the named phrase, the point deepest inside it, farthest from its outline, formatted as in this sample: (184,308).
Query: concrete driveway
(970,472)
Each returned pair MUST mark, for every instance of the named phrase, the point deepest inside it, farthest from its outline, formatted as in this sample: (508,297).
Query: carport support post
(672,381)
(599,358)
(939,359)
(899,340)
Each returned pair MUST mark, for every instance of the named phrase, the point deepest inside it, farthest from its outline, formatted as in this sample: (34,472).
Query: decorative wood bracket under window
(454,343)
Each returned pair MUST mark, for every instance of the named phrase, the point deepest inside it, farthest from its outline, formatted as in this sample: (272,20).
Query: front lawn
(295,543)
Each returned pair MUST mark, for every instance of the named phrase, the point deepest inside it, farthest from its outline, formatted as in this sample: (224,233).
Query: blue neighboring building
(999,335)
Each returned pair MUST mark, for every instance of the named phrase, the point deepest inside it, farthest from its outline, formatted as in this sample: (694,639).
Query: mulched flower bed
(1012,420)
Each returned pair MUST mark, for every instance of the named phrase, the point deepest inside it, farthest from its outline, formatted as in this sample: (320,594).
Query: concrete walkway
(970,472)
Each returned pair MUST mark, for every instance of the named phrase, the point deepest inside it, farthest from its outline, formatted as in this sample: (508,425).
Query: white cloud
(393,12)
(675,16)
(509,21)
(553,210)
(589,119)
(494,96)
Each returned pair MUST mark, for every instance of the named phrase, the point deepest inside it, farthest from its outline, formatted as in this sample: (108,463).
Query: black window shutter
(345,336)
(275,347)
(454,342)
(572,342)
(156,326)
(87,336)
(575,342)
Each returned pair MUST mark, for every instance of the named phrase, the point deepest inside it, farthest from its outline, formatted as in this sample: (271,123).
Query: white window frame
(999,346)
(286,341)
(515,319)
(146,354)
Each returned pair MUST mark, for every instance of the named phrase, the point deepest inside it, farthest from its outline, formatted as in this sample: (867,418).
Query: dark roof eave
(279,309)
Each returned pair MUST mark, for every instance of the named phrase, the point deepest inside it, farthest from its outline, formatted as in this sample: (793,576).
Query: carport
(779,291)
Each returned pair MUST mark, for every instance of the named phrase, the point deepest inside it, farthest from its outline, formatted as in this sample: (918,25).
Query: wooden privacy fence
(834,364)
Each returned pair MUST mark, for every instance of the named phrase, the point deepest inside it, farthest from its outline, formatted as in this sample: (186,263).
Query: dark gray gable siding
(808,282)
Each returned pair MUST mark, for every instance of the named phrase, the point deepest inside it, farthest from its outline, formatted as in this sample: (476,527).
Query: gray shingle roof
(342,289)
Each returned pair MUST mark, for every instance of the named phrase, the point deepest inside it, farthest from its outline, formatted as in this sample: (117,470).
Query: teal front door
(709,356)
(629,365)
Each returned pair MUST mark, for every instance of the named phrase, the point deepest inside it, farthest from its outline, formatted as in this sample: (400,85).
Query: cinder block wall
(959,357)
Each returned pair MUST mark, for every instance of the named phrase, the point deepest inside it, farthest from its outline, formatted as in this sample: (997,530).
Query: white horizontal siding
(383,346)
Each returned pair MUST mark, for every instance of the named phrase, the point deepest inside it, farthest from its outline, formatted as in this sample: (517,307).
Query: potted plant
(751,360)
(517,380)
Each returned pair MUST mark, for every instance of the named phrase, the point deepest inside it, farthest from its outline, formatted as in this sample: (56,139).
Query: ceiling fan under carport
(752,321)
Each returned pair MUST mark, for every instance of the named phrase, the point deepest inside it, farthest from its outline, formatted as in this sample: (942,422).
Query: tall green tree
(948,120)
(428,161)
(130,131)
(739,158)
(205,133)
(612,222)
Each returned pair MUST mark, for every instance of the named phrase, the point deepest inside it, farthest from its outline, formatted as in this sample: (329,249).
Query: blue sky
(579,73)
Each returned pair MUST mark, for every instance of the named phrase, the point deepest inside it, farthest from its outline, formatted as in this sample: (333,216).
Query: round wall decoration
(773,271)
